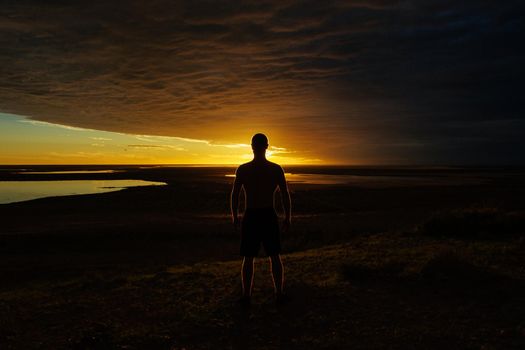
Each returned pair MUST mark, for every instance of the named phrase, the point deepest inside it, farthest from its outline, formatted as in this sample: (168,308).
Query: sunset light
(262,174)
(26,141)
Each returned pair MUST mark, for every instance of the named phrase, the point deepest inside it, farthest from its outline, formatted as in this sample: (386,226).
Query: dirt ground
(368,267)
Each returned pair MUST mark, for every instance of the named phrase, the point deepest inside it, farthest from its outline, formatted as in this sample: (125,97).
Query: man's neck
(259,157)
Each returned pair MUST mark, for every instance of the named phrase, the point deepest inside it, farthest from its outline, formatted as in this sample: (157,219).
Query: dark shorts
(260,225)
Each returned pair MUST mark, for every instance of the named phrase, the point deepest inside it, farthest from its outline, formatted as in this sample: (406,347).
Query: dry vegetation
(384,290)
(397,268)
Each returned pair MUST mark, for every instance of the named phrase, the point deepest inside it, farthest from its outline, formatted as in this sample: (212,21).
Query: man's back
(260,179)
(260,224)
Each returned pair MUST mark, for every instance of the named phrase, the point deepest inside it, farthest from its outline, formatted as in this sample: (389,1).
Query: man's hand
(286,224)
(236,223)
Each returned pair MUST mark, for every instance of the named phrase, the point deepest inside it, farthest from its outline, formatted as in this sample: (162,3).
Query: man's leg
(277,269)
(247,276)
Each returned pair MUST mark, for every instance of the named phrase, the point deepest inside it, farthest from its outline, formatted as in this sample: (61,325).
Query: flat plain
(400,258)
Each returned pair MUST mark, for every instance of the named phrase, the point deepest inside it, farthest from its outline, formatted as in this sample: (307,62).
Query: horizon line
(282,164)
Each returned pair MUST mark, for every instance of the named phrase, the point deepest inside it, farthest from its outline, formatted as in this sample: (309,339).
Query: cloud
(166,147)
(351,72)
(238,145)
(146,146)
(100,139)
(41,123)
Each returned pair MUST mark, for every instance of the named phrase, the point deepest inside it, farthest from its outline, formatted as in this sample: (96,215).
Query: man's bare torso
(260,180)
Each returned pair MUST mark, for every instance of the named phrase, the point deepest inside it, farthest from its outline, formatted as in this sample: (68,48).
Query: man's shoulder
(248,165)
(242,167)
(275,166)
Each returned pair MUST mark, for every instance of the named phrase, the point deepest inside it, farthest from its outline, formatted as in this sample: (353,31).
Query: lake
(18,191)
(375,181)
(47,181)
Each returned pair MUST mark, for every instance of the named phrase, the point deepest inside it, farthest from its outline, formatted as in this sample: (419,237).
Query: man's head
(259,143)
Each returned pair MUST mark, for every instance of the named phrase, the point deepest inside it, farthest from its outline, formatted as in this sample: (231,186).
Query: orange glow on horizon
(25,141)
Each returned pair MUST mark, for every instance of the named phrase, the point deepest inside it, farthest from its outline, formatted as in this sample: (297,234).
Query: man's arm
(285,196)
(234,200)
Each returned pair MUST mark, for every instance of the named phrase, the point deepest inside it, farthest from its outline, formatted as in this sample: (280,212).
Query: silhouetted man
(260,179)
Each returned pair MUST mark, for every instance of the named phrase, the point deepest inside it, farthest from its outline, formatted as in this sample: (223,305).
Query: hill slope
(381,291)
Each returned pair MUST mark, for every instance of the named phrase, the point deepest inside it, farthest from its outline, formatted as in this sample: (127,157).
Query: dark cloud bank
(389,81)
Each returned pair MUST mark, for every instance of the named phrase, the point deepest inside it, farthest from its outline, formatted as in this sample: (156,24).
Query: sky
(26,141)
(329,82)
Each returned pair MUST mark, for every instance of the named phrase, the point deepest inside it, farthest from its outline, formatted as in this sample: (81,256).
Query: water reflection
(314,179)
(70,172)
(378,181)
(17,191)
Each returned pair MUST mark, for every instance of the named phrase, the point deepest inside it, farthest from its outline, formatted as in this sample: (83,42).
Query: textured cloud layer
(390,81)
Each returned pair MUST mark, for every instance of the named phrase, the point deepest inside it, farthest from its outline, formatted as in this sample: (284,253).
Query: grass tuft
(358,272)
(448,266)
(479,223)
